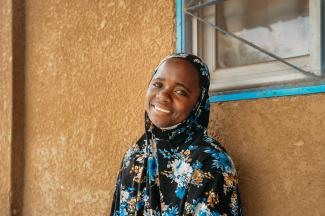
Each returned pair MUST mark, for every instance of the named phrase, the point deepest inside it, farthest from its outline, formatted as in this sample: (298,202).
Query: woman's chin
(161,125)
(165,126)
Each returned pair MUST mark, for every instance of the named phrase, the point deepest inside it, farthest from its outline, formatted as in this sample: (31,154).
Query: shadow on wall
(18,121)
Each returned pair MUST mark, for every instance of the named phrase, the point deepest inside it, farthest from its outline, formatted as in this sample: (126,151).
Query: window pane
(278,26)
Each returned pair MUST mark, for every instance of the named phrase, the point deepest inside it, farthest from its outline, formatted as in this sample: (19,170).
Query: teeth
(162,110)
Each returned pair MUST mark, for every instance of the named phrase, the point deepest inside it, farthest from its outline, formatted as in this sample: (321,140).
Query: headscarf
(178,170)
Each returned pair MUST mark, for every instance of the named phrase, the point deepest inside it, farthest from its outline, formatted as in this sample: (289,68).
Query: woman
(175,168)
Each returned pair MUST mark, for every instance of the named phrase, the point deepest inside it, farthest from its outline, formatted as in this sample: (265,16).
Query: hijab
(178,170)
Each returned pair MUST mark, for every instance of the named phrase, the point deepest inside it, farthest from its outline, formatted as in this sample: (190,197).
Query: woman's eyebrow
(162,79)
(180,84)
(177,83)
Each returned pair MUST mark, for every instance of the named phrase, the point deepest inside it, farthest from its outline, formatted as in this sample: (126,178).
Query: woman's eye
(157,84)
(181,92)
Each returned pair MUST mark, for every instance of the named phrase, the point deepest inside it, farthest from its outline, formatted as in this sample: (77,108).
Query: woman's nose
(164,96)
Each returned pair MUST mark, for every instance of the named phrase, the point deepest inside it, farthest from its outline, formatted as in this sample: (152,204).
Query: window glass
(289,29)
(278,26)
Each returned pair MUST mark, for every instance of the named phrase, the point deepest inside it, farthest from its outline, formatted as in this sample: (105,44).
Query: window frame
(302,88)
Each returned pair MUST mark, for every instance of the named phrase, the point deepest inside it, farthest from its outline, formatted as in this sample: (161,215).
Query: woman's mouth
(161,109)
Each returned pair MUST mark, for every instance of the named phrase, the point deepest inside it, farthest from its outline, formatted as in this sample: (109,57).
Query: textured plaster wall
(73,77)
(278,146)
(87,67)
(5,105)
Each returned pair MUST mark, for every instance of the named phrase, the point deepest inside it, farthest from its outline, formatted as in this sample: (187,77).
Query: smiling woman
(175,168)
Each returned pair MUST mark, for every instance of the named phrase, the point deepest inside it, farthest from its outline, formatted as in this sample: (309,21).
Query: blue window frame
(317,86)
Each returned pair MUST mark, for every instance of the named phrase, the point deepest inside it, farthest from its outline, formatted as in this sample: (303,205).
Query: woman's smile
(172,93)
(160,109)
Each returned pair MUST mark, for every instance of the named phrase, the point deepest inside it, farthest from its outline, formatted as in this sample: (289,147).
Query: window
(254,45)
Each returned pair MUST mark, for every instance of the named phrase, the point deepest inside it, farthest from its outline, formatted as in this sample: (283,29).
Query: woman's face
(172,93)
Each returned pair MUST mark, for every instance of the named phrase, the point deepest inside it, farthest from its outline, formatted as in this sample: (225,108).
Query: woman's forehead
(179,69)
(177,65)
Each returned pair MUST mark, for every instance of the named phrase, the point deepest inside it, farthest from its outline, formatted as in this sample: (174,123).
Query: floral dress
(179,170)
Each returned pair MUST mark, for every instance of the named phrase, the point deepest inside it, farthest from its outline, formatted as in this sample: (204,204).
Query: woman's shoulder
(206,142)
(134,152)
(213,155)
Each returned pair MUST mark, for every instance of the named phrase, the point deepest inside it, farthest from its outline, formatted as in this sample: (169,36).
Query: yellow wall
(278,147)
(5,105)
(71,100)
(82,70)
